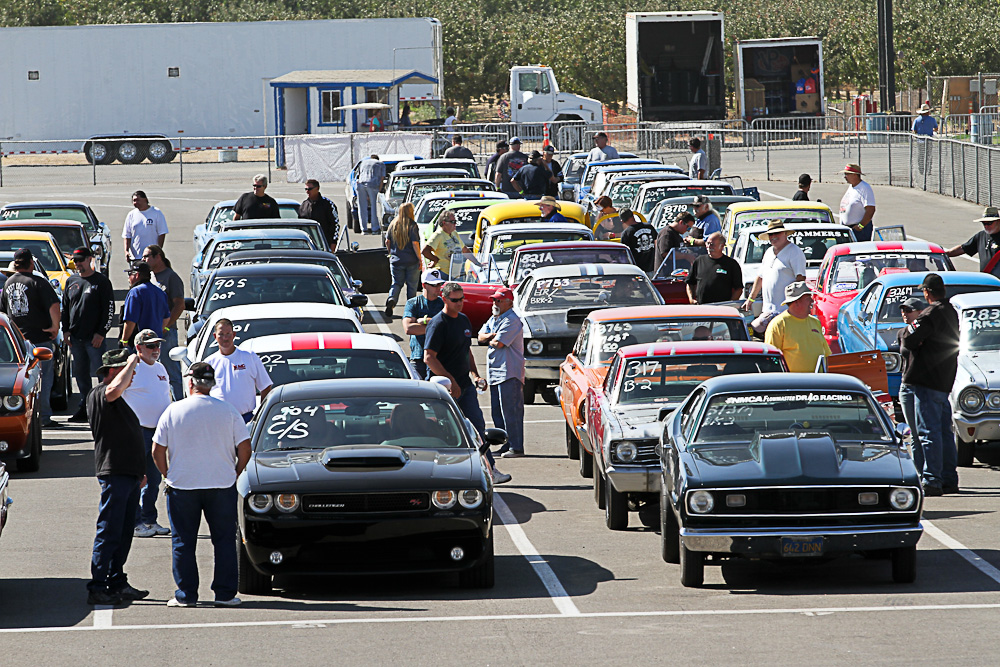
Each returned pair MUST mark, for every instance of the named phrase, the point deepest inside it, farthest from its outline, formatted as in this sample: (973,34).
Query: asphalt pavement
(568,590)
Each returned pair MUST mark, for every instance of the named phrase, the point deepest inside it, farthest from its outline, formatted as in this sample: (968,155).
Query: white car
(500,241)
(222,212)
(330,355)
(269,319)
(975,396)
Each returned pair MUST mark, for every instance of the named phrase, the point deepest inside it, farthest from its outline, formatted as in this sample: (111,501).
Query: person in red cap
(504,333)
(857,207)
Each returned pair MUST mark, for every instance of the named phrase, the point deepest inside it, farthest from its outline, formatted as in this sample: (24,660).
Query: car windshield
(573,169)
(428,209)
(222,249)
(740,417)
(502,246)
(590,291)
(466,165)
(418,191)
(854,272)
(401,181)
(225,292)
(592,173)
(667,211)
(980,329)
(654,196)
(528,260)
(224,214)
(58,213)
(814,244)
(338,271)
(760,218)
(411,423)
(301,365)
(671,379)
(247,329)
(889,310)
(623,192)
(67,238)
(314,231)
(609,336)
(41,249)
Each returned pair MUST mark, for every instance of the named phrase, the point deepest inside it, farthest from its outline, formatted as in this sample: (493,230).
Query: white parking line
(771,194)
(544,421)
(559,596)
(968,554)
(917,238)
(378,319)
(102,616)
(805,611)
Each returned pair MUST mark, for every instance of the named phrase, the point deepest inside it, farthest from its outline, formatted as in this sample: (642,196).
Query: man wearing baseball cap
(418,313)
(532,179)
(910,310)
(201,445)
(985,243)
(857,206)
(802,194)
(796,333)
(88,311)
(504,334)
(555,170)
(509,164)
(602,150)
(146,305)
(491,164)
(706,219)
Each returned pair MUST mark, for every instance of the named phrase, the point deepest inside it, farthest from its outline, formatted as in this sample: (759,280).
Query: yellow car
(521,210)
(44,248)
(749,214)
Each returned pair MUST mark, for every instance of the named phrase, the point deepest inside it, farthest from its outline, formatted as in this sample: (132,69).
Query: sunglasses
(257,185)
(310,188)
(151,346)
(458,300)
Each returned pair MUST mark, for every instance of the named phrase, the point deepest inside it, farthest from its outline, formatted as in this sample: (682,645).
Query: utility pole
(886,57)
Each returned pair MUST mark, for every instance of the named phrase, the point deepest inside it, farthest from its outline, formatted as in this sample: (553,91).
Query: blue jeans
(408,274)
(367,211)
(48,379)
(908,401)
(115,523)
(507,405)
(468,404)
(150,492)
(173,367)
(185,508)
(936,437)
(86,361)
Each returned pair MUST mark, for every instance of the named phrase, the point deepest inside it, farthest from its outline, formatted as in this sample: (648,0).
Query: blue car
(224,244)
(591,168)
(871,320)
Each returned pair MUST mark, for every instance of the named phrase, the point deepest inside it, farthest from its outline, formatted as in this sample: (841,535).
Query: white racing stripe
(102,616)
(559,596)
(968,554)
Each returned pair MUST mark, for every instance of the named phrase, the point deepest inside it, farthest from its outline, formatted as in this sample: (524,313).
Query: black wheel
(692,567)
(670,538)
(130,152)
(572,443)
(160,151)
(482,575)
(966,453)
(904,565)
(62,386)
(529,392)
(615,507)
(251,582)
(549,395)
(599,491)
(586,464)
(34,461)
(99,152)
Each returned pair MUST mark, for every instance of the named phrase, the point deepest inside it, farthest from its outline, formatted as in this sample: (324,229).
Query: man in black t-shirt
(802,194)
(986,243)
(256,204)
(532,179)
(319,208)
(31,303)
(640,237)
(120,462)
(88,311)
(508,164)
(671,237)
(714,277)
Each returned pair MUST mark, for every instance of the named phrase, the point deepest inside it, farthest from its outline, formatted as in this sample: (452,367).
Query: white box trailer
(675,65)
(780,77)
(153,83)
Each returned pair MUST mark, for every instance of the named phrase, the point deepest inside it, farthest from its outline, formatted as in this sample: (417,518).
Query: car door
(859,317)
(571,377)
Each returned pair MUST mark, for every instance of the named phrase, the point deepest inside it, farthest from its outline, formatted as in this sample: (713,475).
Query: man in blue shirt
(706,219)
(550,208)
(504,333)
(418,314)
(146,305)
(924,125)
(371,173)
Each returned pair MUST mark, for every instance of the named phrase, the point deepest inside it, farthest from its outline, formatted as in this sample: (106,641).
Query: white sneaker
(500,477)
(232,602)
(144,530)
(160,530)
(174,602)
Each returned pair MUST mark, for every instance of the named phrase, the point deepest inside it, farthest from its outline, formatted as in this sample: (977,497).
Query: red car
(20,382)
(849,267)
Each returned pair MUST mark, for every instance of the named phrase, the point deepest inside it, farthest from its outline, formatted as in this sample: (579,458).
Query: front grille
(790,501)
(558,346)
(344,503)
(647,454)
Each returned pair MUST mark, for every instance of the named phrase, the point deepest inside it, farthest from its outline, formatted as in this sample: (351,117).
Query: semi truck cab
(535,98)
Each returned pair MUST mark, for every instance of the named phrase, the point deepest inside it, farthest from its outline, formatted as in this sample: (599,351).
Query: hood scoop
(364,458)
(798,453)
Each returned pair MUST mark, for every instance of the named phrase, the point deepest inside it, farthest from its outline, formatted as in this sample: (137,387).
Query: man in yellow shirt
(444,243)
(796,333)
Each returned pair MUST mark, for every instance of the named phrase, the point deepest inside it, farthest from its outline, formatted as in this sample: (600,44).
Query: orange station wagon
(606,330)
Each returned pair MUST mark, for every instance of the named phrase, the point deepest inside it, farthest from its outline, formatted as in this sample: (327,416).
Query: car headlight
(626,451)
(971,399)
(470,498)
(286,502)
(893,362)
(13,403)
(444,500)
(701,502)
(260,502)
(993,400)
(902,499)
(534,346)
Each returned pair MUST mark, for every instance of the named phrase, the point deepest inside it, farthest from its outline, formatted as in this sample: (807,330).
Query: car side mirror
(178,353)
(359,300)
(494,437)
(355,246)
(358,284)
(902,430)
(189,304)
(40,354)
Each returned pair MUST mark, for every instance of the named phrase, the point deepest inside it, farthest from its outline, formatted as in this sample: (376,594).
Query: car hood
(548,323)
(803,457)
(982,367)
(8,378)
(362,467)
(639,421)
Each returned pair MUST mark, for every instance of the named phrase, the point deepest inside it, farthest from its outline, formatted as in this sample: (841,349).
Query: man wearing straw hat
(985,244)
(924,125)
(784,263)
(857,207)
(796,333)
(550,208)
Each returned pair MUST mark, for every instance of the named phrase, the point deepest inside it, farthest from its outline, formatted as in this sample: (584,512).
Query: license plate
(799,547)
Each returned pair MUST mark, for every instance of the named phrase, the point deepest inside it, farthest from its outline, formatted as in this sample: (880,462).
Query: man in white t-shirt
(239,374)
(698,167)
(201,447)
(857,207)
(144,226)
(148,396)
(602,150)
(784,263)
